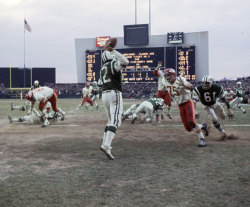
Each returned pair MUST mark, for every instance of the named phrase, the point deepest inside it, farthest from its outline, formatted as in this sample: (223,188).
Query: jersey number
(105,78)
(173,91)
(208,98)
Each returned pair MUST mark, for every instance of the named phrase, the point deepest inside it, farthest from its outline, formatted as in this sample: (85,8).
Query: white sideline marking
(232,125)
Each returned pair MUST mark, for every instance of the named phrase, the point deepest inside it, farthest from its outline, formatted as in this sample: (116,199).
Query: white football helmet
(94,83)
(238,84)
(207,82)
(107,56)
(36,83)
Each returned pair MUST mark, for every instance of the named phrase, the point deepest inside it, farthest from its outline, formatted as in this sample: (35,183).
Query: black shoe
(244,112)
(205,130)
(133,120)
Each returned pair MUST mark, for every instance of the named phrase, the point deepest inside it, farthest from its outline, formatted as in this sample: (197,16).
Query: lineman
(208,93)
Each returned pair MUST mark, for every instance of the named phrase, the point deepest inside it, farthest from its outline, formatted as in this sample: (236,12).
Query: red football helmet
(87,85)
(228,89)
(29,96)
(170,75)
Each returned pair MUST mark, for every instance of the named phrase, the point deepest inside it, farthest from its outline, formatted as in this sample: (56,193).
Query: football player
(34,116)
(179,90)
(239,97)
(44,95)
(86,92)
(229,94)
(208,93)
(36,85)
(129,112)
(111,83)
(149,107)
(162,91)
(94,94)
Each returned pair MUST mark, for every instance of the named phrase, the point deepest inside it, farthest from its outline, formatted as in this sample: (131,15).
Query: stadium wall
(197,39)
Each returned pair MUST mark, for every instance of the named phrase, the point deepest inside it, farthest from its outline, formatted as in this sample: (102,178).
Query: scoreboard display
(143,61)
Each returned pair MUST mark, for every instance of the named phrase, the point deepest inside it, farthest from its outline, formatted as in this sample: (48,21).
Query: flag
(27,26)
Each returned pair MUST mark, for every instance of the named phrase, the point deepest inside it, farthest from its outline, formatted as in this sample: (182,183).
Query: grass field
(156,164)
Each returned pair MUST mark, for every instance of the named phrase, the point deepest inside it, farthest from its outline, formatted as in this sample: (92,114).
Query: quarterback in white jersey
(44,95)
(179,90)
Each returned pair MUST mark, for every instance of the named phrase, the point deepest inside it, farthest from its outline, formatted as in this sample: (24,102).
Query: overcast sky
(56,23)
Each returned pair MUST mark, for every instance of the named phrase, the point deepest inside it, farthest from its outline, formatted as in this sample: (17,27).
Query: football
(112,42)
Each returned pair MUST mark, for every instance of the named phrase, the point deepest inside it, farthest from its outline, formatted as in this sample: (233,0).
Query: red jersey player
(43,95)
(162,91)
(86,92)
(179,90)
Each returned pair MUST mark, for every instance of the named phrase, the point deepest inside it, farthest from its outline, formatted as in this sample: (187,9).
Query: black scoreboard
(143,61)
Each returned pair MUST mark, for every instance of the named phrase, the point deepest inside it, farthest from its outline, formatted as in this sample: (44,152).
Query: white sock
(104,138)
(110,136)
(198,131)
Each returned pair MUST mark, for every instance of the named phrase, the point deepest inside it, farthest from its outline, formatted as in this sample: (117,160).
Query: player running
(179,90)
(239,97)
(111,83)
(94,94)
(229,94)
(162,91)
(43,95)
(208,93)
(149,107)
(86,92)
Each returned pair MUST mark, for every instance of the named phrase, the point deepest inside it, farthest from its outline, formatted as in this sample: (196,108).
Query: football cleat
(204,128)
(97,107)
(169,116)
(23,108)
(203,143)
(244,112)
(63,116)
(134,118)
(107,151)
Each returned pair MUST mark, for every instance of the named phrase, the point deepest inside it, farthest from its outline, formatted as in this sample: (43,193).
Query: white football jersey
(42,93)
(86,92)
(161,81)
(177,90)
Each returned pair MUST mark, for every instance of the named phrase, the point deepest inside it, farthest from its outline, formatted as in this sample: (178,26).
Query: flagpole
(24,76)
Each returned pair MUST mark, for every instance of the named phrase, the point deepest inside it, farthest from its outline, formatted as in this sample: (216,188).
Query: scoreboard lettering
(143,61)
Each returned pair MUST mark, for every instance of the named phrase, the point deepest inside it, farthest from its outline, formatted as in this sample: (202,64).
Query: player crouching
(43,95)
(179,90)
(33,116)
(149,107)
